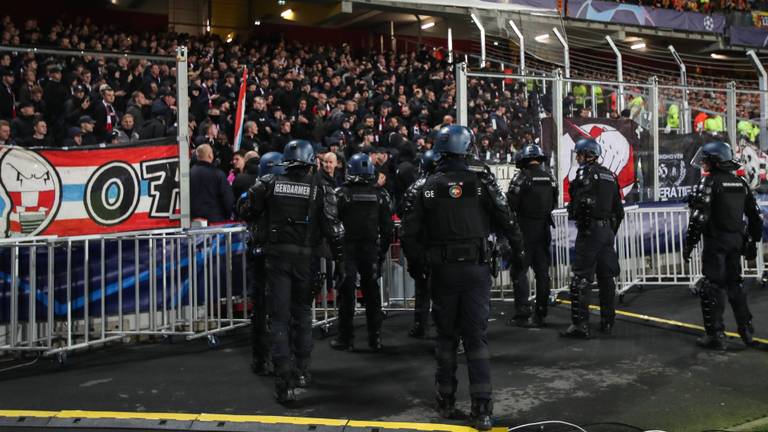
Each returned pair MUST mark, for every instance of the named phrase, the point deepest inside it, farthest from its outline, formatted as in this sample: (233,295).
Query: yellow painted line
(125,415)
(23,413)
(116,415)
(270,419)
(664,321)
(415,426)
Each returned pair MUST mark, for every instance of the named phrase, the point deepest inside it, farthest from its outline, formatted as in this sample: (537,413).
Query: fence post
(461,94)
(619,75)
(557,116)
(655,134)
(763,99)
(182,99)
(731,113)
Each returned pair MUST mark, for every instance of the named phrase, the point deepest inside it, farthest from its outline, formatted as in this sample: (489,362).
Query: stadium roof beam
(763,98)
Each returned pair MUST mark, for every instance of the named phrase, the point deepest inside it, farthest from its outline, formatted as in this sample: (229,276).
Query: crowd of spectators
(343,101)
(703,6)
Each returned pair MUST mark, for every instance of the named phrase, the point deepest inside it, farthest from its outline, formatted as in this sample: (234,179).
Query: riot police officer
(532,195)
(455,211)
(717,208)
(366,212)
(596,207)
(416,266)
(261,363)
(293,211)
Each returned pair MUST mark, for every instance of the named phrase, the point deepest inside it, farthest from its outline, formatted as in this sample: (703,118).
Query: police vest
(595,192)
(359,211)
(289,210)
(537,194)
(727,207)
(453,208)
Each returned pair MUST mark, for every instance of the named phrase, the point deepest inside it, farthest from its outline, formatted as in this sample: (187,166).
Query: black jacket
(212,197)
(245,180)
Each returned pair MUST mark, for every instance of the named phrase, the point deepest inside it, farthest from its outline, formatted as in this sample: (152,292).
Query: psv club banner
(89,190)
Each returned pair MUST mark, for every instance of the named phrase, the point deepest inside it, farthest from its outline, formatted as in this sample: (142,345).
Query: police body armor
(359,210)
(728,192)
(459,225)
(532,193)
(288,218)
(592,195)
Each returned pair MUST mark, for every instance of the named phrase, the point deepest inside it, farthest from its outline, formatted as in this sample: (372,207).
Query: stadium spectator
(22,126)
(127,132)
(87,125)
(7,95)
(212,198)
(244,180)
(40,137)
(105,114)
(74,137)
(5,133)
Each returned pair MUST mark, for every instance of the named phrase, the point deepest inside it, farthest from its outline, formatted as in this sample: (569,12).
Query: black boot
(481,414)
(262,366)
(579,329)
(535,321)
(418,331)
(374,341)
(746,331)
(301,373)
(606,327)
(284,393)
(342,343)
(714,341)
(446,406)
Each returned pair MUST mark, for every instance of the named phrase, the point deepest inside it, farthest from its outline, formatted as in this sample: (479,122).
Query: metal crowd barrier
(58,295)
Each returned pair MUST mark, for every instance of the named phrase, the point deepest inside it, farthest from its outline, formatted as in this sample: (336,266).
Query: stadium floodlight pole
(450,45)
(619,74)
(655,135)
(182,98)
(763,99)
(730,111)
(566,58)
(480,27)
(683,82)
(520,38)
(461,94)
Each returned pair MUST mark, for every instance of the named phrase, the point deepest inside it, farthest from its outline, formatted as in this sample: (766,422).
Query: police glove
(750,250)
(338,273)
(687,250)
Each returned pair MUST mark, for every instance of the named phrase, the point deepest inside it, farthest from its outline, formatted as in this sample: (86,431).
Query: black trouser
(257,287)
(290,298)
(721,266)
(360,258)
(461,301)
(594,256)
(537,239)
(422,297)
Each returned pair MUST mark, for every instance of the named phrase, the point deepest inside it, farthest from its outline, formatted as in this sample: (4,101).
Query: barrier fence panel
(62,294)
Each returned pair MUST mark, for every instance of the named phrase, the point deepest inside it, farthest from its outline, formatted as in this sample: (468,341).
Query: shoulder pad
(267,178)
(384,196)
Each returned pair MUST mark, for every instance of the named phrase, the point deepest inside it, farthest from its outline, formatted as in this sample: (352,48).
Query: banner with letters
(89,190)
(625,145)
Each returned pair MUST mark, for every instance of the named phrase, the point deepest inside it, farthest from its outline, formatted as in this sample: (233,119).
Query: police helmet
(453,139)
(717,153)
(588,147)
(360,169)
(271,163)
(428,161)
(529,153)
(298,153)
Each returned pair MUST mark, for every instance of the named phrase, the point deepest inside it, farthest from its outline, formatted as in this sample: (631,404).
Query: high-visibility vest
(580,93)
(673,117)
